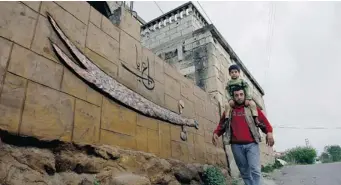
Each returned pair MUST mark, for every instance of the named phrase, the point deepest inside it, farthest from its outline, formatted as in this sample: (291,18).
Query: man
(243,135)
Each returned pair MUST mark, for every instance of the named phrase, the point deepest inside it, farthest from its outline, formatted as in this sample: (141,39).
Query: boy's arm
(220,128)
(247,89)
(264,120)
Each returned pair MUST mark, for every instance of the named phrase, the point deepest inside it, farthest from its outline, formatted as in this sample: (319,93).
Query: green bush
(301,155)
(271,167)
(267,168)
(277,165)
(236,182)
(331,153)
(96,182)
(325,158)
(213,176)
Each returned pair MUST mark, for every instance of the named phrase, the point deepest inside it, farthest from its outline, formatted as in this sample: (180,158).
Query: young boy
(235,81)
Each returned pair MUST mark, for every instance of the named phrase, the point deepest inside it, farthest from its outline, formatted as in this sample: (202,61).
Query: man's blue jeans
(247,157)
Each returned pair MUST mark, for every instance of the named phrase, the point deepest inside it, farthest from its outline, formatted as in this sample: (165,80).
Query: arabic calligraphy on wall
(144,76)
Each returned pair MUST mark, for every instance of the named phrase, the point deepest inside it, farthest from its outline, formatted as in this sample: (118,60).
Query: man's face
(239,97)
(234,74)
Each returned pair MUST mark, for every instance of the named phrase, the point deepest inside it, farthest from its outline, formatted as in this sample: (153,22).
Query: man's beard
(241,103)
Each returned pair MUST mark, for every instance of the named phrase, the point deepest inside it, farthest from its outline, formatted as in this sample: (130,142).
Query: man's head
(239,95)
(234,71)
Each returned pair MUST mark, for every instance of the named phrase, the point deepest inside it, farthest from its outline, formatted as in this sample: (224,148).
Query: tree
(334,152)
(301,155)
(325,158)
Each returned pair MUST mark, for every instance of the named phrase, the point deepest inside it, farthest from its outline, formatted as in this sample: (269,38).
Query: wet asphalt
(317,174)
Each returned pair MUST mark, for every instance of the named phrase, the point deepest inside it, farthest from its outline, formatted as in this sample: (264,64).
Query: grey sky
(301,83)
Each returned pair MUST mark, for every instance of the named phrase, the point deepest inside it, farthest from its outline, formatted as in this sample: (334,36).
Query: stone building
(184,39)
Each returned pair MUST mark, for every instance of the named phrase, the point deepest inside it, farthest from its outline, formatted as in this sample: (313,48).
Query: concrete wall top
(174,15)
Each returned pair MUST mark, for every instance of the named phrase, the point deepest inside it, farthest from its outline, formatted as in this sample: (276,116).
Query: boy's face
(234,74)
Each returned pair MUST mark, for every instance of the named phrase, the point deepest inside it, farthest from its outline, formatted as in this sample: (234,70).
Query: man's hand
(247,102)
(231,102)
(270,139)
(215,139)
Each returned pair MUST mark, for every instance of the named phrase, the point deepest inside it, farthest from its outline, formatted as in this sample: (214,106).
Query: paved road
(318,174)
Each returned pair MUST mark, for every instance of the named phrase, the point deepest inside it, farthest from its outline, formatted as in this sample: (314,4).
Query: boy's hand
(231,102)
(247,102)
(215,139)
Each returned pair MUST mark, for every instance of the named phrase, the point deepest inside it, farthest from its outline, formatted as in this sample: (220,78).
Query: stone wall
(42,98)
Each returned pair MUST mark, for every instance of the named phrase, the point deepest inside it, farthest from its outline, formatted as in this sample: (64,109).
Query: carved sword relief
(91,73)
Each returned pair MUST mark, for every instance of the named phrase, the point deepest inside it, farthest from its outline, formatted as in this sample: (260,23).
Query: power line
(270,30)
(159,7)
(270,33)
(307,128)
(204,12)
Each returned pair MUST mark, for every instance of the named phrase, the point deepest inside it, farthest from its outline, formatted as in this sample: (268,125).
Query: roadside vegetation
(297,155)
(271,167)
(300,155)
(332,153)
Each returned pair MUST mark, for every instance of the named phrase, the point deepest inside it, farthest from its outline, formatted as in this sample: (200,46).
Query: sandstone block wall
(40,97)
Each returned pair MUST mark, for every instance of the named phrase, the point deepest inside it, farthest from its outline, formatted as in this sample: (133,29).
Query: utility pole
(307,144)
(131,6)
